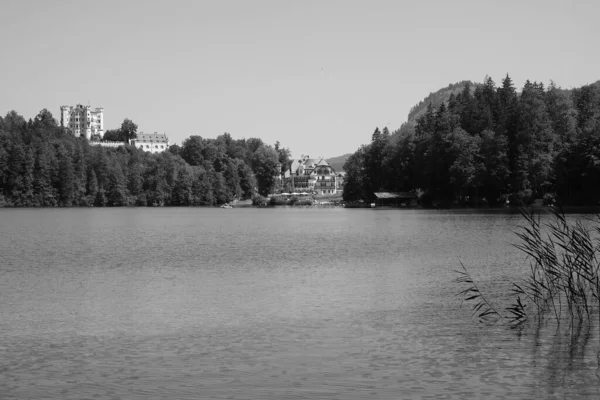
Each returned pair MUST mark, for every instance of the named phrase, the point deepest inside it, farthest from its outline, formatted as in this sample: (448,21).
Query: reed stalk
(563,277)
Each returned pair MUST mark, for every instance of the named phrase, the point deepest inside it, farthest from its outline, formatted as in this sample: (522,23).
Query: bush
(549,199)
(141,200)
(425,199)
(522,198)
(501,200)
(100,200)
(278,201)
(87,201)
(3,202)
(304,202)
(260,201)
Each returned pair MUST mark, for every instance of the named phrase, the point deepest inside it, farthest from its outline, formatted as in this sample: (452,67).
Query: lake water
(284,303)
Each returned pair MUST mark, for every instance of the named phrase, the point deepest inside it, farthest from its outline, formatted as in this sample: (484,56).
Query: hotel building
(312,175)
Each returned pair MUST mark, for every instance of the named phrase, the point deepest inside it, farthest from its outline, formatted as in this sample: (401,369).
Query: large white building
(314,175)
(82,120)
(152,142)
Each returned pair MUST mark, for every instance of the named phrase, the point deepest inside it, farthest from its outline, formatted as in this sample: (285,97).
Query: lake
(274,303)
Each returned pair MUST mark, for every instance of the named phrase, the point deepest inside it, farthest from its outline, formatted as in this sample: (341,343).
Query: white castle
(82,120)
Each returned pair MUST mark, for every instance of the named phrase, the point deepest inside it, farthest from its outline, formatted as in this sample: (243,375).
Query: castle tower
(65,116)
(81,120)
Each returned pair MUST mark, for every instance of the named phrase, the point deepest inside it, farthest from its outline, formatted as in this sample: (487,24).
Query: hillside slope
(437,98)
(338,162)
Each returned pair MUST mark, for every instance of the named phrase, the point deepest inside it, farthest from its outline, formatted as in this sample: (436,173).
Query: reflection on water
(270,304)
(562,352)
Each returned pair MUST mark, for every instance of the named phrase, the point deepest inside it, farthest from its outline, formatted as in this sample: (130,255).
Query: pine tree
(536,138)
(16,180)
(467,110)
(42,178)
(92,187)
(80,175)
(67,180)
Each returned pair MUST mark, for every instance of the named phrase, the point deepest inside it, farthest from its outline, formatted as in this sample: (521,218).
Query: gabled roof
(295,165)
(310,162)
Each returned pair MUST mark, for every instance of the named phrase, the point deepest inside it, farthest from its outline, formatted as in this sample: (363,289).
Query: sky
(316,75)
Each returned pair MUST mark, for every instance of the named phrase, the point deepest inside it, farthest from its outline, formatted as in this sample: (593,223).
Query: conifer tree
(66,179)
(92,187)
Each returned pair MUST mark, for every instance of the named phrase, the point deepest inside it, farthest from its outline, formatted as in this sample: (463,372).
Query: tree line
(44,165)
(488,144)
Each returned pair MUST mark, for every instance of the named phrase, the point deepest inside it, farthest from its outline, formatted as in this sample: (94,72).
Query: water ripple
(268,304)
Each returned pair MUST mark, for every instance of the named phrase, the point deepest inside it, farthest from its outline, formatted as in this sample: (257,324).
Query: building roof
(395,195)
(152,137)
(308,163)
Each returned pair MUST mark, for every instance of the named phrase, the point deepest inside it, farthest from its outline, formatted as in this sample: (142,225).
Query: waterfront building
(152,142)
(82,120)
(313,175)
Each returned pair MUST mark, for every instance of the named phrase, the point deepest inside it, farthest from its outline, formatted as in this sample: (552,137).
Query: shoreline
(456,210)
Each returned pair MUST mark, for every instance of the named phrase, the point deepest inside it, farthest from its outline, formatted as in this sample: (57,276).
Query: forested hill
(453,89)
(488,144)
(43,165)
(437,98)
(338,162)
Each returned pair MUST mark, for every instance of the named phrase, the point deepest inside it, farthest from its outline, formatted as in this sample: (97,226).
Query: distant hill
(338,162)
(442,95)
(435,98)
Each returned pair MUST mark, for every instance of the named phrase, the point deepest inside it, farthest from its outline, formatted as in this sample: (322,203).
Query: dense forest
(487,144)
(44,165)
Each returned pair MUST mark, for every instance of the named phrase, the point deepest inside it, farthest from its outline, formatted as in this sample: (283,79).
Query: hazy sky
(318,76)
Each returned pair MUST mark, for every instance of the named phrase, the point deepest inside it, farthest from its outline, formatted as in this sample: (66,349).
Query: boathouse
(394,199)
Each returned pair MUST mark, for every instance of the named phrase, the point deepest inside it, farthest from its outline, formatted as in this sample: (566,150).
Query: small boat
(226,206)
